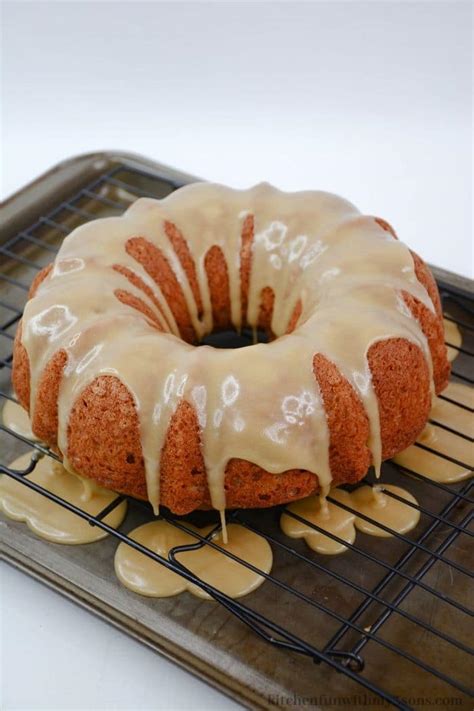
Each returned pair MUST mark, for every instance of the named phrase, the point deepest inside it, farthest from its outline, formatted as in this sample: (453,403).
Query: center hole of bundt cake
(232,339)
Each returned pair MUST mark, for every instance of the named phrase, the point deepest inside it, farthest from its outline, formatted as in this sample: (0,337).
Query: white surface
(370,100)
(55,655)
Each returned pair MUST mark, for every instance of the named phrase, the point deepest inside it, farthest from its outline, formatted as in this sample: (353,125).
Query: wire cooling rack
(349,628)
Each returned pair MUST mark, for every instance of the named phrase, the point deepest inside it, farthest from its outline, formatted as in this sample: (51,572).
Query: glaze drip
(318,255)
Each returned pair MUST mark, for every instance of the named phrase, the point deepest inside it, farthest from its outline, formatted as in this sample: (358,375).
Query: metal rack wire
(446,518)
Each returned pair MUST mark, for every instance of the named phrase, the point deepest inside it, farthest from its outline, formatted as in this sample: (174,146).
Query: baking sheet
(201,635)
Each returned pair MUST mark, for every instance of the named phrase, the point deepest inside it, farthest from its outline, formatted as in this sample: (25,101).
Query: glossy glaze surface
(147,577)
(319,255)
(49,519)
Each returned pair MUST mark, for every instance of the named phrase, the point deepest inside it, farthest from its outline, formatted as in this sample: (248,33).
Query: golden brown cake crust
(103,430)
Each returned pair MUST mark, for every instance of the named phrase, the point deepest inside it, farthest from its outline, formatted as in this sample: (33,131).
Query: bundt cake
(108,360)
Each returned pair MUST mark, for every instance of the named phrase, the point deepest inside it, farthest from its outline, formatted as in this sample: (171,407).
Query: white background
(370,100)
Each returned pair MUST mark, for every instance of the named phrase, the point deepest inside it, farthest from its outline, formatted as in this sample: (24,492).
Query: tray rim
(20,208)
(74,170)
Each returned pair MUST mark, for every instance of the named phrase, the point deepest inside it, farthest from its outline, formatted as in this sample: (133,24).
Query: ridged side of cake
(103,431)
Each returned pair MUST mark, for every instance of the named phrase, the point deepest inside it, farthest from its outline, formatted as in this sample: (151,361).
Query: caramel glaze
(444,442)
(433,466)
(450,414)
(453,336)
(372,502)
(144,576)
(460,393)
(17,420)
(377,505)
(323,514)
(342,273)
(48,519)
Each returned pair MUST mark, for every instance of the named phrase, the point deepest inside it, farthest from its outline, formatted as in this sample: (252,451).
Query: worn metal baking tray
(396,607)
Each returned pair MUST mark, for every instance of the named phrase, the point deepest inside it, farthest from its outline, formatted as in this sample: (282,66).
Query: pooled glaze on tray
(144,576)
(161,536)
(16,419)
(450,414)
(452,336)
(376,504)
(382,508)
(49,519)
(324,514)
(370,501)
(442,441)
